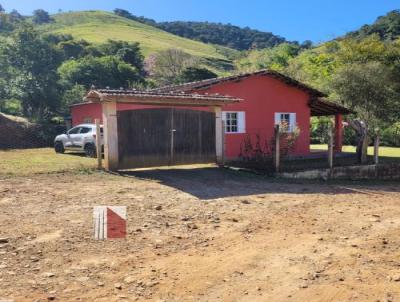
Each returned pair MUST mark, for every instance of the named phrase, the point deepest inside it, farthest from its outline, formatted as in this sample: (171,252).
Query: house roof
(319,106)
(323,107)
(211,82)
(154,97)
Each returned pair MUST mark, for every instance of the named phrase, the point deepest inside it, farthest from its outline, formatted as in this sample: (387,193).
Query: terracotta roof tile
(104,93)
(211,82)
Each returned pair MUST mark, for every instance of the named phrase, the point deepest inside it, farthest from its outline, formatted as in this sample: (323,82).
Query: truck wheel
(59,147)
(90,150)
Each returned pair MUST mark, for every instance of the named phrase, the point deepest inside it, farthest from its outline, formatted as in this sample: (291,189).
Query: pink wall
(81,112)
(263,96)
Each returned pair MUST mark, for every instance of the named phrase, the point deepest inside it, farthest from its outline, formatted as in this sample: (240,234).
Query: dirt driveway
(199,235)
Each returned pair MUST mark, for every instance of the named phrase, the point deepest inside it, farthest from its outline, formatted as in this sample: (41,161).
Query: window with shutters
(286,120)
(234,121)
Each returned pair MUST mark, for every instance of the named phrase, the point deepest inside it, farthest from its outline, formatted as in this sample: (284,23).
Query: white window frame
(240,122)
(292,120)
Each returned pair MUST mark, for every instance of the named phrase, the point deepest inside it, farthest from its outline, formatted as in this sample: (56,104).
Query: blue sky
(316,20)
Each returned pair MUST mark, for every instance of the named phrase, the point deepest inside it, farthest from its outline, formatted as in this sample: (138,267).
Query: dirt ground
(199,235)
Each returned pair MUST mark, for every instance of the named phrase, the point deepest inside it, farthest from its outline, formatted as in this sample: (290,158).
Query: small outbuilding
(160,128)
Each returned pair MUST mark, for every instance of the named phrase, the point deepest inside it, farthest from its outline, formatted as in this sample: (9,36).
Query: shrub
(391,136)
(319,130)
(254,149)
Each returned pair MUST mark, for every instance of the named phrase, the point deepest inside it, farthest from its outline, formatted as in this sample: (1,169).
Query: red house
(268,98)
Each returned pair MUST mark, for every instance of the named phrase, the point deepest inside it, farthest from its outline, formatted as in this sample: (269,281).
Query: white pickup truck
(81,138)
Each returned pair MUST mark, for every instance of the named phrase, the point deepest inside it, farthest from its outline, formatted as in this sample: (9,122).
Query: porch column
(338,132)
(219,139)
(110,135)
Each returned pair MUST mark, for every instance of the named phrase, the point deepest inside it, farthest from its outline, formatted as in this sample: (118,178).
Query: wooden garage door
(166,136)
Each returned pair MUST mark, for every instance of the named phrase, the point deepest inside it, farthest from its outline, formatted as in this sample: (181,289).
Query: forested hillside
(386,27)
(216,33)
(223,34)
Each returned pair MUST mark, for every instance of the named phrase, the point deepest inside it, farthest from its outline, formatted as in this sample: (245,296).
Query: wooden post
(218,135)
(223,142)
(98,143)
(330,146)
(364,143)
(277,150)
(111,160)
(338,132)
(364,149)
(376,146)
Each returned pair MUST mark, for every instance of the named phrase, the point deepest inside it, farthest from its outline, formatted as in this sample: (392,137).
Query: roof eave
(160,99)
(322,107)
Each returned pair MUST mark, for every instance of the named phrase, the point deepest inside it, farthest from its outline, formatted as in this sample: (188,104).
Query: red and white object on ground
(109,222)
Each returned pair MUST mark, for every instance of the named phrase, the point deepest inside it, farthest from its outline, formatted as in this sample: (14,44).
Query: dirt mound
(17,133)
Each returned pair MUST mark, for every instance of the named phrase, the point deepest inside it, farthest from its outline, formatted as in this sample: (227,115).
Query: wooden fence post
(376,146)
(330,147)
(277,149)
(98,143)
(223,142)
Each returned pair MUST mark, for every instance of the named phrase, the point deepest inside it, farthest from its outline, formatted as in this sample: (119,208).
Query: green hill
(99,26)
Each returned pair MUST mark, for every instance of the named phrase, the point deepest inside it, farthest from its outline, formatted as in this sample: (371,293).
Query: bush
(319,130)
(349,136)
(391,136)
(12,107)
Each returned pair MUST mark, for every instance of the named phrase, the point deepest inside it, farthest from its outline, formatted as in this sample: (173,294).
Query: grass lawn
(44,160)
(383,151)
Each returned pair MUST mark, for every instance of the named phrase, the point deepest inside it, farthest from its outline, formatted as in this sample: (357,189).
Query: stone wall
(384,171)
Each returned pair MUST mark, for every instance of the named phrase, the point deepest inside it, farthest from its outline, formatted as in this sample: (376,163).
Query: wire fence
(258,152)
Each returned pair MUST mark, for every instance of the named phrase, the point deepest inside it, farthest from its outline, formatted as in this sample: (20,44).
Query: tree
(5,24)
(108,71)
(276,58)
(386,27)
(73,95)
(307,44)
(128,52)
(314,67)
(15,16)
(192,74)
(30,65)
(125,14)
(367,89)
(167,66)
(122,13)
(363,51)
(40,16)
(7,21)
(73,49)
